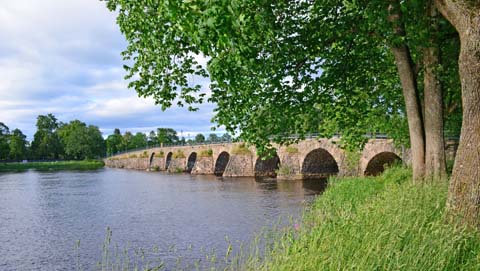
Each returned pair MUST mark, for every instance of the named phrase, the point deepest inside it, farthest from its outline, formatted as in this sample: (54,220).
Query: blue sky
(63,57)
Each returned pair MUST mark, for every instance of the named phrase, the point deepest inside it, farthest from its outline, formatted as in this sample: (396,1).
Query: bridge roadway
(310,158)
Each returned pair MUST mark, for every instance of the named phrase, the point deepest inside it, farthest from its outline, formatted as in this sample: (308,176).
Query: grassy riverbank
(382,223)
(52,166)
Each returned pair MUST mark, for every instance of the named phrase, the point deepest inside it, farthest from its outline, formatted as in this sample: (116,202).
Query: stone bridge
(310,158)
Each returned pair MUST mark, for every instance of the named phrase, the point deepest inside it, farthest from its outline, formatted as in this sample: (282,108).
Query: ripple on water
(42,215)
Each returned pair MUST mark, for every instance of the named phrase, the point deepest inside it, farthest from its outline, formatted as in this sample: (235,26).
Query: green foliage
(274,73)
(213,138)
(160,154)
(139,140)
(241,149)
(46,142)
(352,158)
(178,154)
(4,141)
(166,136)
(144,155)
(199,138)
(114,142)
(206,153)
(80,141)
(133,156)
(18,145)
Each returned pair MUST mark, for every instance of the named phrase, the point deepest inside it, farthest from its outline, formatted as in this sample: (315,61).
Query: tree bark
(404,63)
(464,192)
(435,166)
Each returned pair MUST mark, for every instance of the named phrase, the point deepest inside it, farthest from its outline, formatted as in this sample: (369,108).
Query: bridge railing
(176,144)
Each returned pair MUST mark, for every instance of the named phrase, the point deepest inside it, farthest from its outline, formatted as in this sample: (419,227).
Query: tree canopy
(280,68)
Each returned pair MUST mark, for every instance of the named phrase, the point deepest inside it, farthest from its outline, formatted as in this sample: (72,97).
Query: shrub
(161,154)
(144,155)
(206,153)
(178,154)
(132,156)
(241,149)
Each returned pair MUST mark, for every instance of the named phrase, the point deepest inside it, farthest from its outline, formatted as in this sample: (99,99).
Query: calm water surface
(42,215)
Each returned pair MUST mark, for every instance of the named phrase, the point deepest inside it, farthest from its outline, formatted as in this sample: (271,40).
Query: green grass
(382,223)
(52,166)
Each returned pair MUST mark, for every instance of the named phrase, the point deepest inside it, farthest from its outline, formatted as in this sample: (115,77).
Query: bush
(241,149)
(178,154)
(132,156)
(161,154)
(206,153)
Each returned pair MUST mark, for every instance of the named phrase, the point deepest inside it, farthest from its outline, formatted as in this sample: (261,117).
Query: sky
(63,57)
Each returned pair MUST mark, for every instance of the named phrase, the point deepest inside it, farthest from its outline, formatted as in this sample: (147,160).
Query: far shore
(51,166)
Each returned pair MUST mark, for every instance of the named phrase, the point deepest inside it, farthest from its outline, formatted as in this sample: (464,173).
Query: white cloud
(63,57)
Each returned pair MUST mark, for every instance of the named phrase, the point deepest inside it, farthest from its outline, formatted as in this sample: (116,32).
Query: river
(43,214)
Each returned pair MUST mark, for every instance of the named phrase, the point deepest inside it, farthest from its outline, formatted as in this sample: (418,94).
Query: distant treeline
(53,140)
(76,140)
(167,136)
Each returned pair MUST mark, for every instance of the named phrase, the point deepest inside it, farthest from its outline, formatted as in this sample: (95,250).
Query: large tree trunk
(435,166)
(406,72)
(464,192)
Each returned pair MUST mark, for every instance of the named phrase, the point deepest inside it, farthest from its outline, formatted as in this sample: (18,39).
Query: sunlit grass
(374,223)
(383,223)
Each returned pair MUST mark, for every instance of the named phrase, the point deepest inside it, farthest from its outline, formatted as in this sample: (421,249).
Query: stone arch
(267,167)
(377,163)
(319,163)
(150,161)
(192,158)
(168,160)
(376,147)
(221,163)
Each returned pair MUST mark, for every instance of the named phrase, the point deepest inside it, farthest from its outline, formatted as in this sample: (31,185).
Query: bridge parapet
(310,158)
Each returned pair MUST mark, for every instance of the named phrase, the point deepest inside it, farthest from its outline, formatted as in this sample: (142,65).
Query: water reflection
(43,214)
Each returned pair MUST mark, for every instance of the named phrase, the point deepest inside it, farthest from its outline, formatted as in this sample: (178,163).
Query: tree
(81,141)
(97,143)
(152,139)
(18,145)
(464,190)
(199,138)
(213,138)
(139,140)
(275,74)
(46,143)
(226,137)
(167,136)
(127,141)
(4,141)
(114,142)
(262,53)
